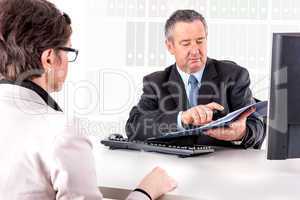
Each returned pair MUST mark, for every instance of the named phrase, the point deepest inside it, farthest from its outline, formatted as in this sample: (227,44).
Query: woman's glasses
(72,53)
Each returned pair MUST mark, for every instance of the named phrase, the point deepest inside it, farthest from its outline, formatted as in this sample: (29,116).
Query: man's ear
(48,58)
(170,46)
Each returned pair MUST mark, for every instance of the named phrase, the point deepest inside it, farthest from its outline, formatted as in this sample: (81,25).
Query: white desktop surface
(225,174)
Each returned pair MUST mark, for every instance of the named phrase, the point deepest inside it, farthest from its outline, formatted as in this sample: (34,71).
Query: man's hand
(236,130)
(200,115)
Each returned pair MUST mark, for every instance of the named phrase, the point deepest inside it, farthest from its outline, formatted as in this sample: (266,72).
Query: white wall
(122,40)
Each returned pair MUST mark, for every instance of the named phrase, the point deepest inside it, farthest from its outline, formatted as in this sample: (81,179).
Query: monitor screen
(284,110)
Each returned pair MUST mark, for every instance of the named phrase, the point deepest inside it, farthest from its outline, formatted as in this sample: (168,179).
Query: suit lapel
(209,84)
(177,90)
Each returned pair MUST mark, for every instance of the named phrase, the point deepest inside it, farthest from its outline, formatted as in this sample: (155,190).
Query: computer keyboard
(182,151)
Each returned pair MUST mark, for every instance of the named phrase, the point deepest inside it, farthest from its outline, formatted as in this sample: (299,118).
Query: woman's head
(32,33)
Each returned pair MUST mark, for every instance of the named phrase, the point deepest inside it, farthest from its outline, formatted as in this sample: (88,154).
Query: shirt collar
(37,89)
(185,76)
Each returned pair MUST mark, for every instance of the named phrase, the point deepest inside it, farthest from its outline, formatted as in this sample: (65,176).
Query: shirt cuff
(237,142)
(137,196)
(179,123)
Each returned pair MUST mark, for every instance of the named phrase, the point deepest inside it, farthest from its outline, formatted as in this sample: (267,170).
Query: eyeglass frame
(68,49)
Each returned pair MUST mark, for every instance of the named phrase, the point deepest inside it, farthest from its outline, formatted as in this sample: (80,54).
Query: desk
(225,174)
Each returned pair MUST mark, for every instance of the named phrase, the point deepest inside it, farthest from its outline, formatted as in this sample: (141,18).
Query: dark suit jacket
(164,96)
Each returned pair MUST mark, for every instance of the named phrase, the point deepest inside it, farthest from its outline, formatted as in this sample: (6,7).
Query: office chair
(264,119)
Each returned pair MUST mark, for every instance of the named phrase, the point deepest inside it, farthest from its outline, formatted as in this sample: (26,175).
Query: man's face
(188,43)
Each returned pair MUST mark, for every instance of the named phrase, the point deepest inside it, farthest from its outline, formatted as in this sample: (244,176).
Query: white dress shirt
(43,155)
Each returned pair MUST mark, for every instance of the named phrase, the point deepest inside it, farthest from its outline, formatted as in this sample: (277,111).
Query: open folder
(261,110)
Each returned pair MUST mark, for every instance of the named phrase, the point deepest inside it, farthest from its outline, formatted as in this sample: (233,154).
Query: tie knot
(193,81)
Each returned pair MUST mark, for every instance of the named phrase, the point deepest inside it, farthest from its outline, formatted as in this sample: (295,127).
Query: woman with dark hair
(42,155)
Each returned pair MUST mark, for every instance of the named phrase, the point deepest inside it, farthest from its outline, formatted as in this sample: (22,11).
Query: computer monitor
(284,109)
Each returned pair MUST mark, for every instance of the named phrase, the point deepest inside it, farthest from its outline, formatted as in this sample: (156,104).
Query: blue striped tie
(193,91)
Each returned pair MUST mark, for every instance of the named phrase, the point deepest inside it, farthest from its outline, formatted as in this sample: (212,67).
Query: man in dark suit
(187,93)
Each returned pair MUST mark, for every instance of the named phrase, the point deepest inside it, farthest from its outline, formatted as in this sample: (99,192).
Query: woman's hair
(27,29)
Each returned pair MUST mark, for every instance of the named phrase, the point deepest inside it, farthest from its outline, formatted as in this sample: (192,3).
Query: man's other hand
(236,130)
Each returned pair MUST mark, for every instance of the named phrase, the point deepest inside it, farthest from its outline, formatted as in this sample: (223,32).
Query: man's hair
(183,16)
(27,29)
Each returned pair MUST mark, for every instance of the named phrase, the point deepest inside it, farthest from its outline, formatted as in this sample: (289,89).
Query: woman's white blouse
(43,154)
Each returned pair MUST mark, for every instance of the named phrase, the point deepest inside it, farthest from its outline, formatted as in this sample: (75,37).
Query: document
(261,110)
